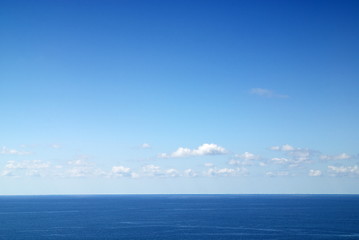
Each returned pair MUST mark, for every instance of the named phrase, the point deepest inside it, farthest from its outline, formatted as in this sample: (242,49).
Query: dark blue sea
(180,217)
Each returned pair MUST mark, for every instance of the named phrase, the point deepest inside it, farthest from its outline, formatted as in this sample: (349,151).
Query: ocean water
(180,217)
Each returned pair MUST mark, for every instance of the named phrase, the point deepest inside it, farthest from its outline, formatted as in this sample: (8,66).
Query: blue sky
(179,97)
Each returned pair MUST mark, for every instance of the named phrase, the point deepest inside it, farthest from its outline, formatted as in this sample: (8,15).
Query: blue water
(180,217)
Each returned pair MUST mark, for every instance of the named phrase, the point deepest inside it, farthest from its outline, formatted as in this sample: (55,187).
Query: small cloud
(83,168)
(280,160)
(277,174)
(314,173)
(341,156)
(190,173)
(284,148)
(79,162)
(171,172)
(262,92)
(247,156)
(29,168)
(344,171)
(7,173)
(34,164)
(156,171)
(9,151)
(145,145)
(203,150)
(225,172)
(295,155)
(208,164)
(55,146)
(121,171)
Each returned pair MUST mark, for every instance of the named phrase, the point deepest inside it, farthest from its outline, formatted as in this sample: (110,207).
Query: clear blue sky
(179,97)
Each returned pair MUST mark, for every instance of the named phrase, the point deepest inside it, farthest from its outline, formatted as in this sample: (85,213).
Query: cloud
(203,150)
(314,173)
(190,173)
(83,168)
(344,171)
(208,164)
(7,173)
(9,151)
(28,167)
(121,171)
(156,171)
(262,92)
(280,160)
(225,172)
(56,146)
(145,145)
(284,148)
(34,164)
(295,156)
(246,158)
(341,156)
(277,174)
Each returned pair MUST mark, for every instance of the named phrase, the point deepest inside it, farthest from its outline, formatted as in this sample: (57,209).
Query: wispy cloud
(294,155)
(82,168)
(156,171)
(4,150)
(121,171)
(204,149)
(344,170)
(27,167)
(225,172)
(145,145)
(262,92)
(277,174)
(314,173)
(341,156)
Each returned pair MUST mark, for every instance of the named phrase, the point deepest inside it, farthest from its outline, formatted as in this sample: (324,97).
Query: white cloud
(295,155)
(280,160)
(245,159)
(28,167)
(171,172)
(145,145)
(247,156)
(344,171)
(240,162)
(34,164)
(225,172)
(262,164)
(284,148)
(7,173)
(277,174)
(208,164)
(266,93)
(341,156)
(9,151)
(204,149)
(190,173)
(79,162)
(156,171)
(314,173)
(83,168)
(234,162)
(56,146)
(121,171)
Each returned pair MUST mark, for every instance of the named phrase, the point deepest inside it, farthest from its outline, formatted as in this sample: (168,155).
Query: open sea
(179,217)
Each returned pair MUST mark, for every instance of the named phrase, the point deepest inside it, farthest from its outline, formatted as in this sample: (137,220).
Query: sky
(142,97)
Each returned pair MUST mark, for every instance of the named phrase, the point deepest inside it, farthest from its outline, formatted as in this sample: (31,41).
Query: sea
(179,217)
